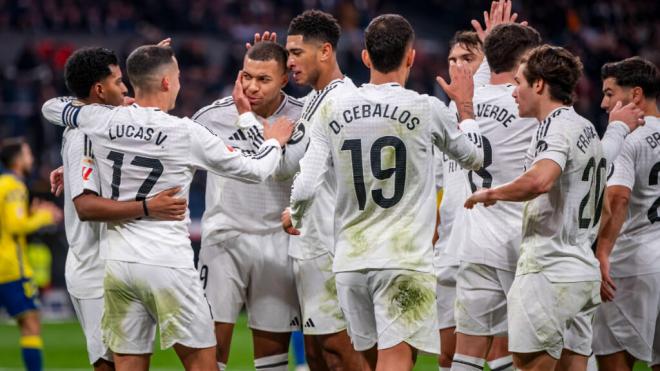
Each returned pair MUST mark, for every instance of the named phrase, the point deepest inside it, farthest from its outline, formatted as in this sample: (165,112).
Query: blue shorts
(17,296)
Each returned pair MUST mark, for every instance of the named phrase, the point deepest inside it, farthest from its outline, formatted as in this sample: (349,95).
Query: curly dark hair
(558,68)
(316,25)
(507,43)
(632,72)
(386,39)
(87,66)
(268,51)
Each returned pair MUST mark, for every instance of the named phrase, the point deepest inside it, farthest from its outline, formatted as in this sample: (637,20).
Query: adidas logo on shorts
(295,322)
(309,323)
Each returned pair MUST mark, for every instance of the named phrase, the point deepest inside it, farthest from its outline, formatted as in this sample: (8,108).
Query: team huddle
(322,211)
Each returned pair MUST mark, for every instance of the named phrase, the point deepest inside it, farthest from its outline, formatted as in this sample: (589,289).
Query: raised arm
(622,121)
(53,109)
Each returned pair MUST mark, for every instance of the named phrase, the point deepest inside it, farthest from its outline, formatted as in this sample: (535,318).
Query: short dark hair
(632,72)
(10,148)
(268,51)
(87,66)
(387,37)
(557,67)
(469,39)
(146,60)
(507,43)
(316,25)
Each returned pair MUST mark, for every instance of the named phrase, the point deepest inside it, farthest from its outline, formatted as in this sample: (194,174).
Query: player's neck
(546,107)
(152,100)
(328,76)
(397,76)
(650,108)
(91,100)
(269,109)
(502,78)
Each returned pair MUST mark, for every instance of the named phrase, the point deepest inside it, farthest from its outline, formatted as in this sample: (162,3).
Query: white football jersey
(317,236)
(233,207)
(378,142)
(84,268)
(560,226)
(637,249)
(453,196)
(491,235)
(141,151)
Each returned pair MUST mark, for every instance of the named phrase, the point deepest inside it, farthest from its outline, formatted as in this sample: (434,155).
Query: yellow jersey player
(17,220)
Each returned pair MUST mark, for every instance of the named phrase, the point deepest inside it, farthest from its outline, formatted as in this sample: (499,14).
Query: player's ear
(410,58)
(165,83)
(326,51)
(365,58)
(97,89)
(539,86)
(637,95)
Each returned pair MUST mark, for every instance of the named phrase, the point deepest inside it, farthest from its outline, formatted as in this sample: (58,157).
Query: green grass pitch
(64,349)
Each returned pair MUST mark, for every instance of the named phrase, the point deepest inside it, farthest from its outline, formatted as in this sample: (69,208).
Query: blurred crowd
(209,36)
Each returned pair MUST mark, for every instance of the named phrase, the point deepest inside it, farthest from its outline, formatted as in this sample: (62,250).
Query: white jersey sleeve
(452,140)
(482,75)
(84,268)
(209,152)
(612,141)
(312,170)
(637,250)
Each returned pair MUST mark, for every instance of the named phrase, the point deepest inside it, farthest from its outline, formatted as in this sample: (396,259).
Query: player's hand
(287,224)
(128,101)
(500,13)
(461,89)
(480,196)
(57,181)
(165,42)
(266,36)
(42,205)
(166,206)
(281,130)
(629,114)
(607,286)
(240,99)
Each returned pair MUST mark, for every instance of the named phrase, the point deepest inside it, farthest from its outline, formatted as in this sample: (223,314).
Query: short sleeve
(555,145)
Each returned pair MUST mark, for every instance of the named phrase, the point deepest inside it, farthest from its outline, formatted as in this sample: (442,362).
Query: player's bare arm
(617,198)
(533,183)
(164,206)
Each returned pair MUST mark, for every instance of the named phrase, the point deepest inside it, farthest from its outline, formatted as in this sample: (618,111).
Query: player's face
(112,88)
(303,60)
(461,55)
(174,84)
(524,95)
(262,82)
(612,93)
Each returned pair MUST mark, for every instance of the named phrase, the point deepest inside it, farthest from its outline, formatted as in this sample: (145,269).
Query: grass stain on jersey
(165,303)
(357,229)
(412,297)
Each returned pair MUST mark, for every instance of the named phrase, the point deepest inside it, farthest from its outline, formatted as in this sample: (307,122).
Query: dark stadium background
(36,37)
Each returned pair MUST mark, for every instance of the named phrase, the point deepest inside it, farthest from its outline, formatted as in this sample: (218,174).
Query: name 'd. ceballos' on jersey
(365,111)
(130,131)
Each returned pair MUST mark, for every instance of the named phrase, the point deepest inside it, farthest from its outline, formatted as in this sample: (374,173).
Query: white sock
(501,364)
(278,362)
(222,366)
(466,363)
(444,368)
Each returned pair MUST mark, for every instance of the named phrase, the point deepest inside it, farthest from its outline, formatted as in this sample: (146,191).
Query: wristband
(144,207)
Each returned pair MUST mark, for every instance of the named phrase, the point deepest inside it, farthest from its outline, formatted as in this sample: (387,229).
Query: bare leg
(615,362)
(339,353)
(104,365)
(370,357)
(314,354)
(537,361)
(223,334)
(397,358)
(131,362)
(196,359)
(447,346)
